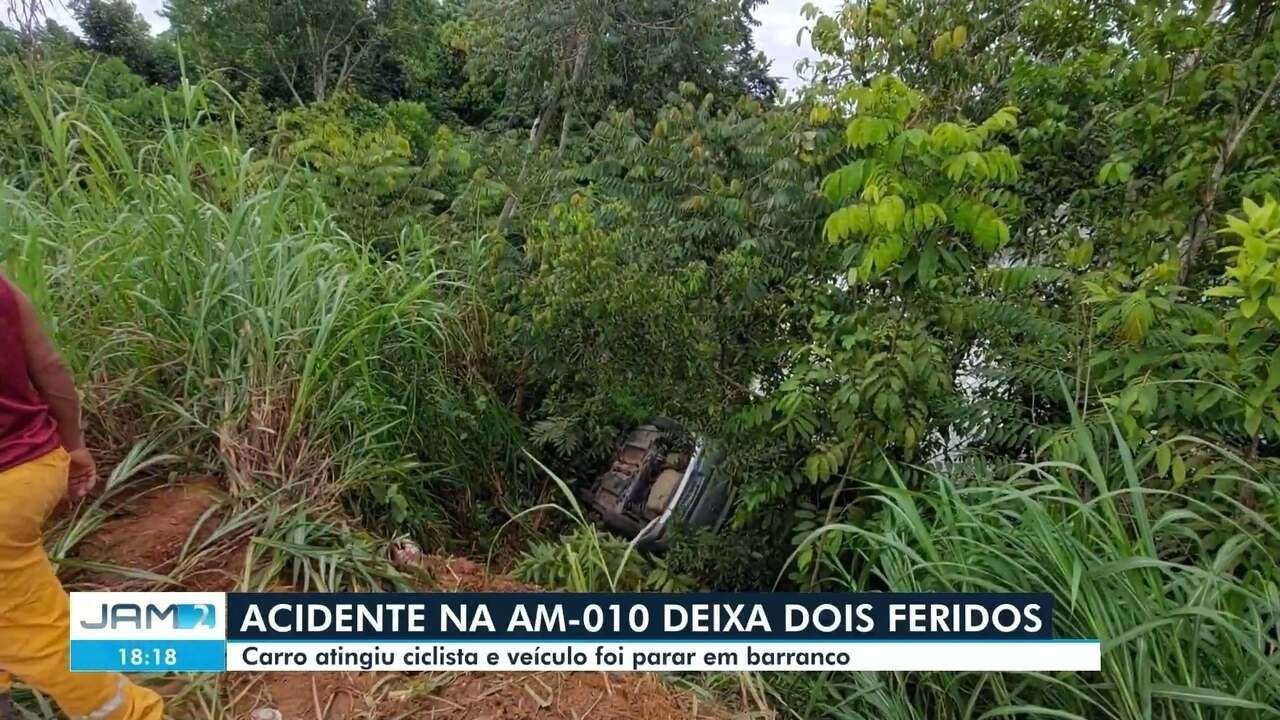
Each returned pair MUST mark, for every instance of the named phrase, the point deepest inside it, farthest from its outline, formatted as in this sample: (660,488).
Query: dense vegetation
(992,303)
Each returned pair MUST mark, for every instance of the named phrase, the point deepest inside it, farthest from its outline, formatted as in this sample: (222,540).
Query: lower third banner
(572,631)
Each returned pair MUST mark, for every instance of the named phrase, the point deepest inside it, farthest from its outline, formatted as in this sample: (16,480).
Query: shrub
(209,300)
(1188,624)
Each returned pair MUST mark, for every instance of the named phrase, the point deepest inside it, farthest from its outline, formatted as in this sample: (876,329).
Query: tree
(300,51)
(409,59)
(58,37)
(873,376)
(751,64)
(1141,123)
(1158,101)
(114,27)
(958,53)
(565,62)
(658,280)
(27,17)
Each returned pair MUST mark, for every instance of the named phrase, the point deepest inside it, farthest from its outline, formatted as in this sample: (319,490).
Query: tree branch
(1191,246)
(288,79)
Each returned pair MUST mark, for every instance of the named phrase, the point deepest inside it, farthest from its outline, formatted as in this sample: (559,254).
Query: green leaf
(813,468)
(1252,419)
(1251,209)
(846,181)
(890,211)
(989,231)
(1163,456)
(1226,291)
(1239,227)
(928,263)
(847,221)
(1080,255)
(1137,319)
(923,217)
(942,45)
(884,253)
(1249,307)
(864,131)
(1207,696)
(1006,118)
(1104,174)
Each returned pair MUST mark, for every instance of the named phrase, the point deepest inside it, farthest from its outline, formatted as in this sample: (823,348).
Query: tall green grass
(221,322)
(213,305)
(1189,623)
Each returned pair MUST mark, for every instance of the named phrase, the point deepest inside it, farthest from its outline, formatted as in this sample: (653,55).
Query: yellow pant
(35,612)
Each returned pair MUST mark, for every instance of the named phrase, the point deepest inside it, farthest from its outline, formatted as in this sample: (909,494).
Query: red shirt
(27,429)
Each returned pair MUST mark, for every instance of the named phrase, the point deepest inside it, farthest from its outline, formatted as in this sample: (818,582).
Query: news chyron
(148,632)
(532,632)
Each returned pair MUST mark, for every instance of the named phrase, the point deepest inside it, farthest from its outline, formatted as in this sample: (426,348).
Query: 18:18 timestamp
(148,657)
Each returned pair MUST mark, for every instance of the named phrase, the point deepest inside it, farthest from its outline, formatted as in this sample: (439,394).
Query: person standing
(42,459)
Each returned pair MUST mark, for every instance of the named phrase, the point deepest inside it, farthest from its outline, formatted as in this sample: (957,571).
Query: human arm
(53,381)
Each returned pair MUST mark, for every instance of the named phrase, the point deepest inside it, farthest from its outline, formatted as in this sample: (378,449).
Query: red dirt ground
(153,533)
(461,574)
(150,535)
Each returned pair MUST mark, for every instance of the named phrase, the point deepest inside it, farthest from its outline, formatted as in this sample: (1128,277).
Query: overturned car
(660,476)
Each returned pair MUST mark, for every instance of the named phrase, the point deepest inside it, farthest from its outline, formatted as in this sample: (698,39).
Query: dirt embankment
(167,532)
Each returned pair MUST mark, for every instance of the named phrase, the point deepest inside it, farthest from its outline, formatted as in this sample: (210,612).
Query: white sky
(780,21)
(776,36)
(150,10)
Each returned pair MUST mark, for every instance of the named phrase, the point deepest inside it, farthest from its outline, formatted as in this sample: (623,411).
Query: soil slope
(167,531)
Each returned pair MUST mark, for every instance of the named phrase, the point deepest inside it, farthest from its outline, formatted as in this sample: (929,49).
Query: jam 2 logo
(151,616)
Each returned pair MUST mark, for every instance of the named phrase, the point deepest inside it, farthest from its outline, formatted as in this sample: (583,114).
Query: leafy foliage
(732,561)
(301,52)
(114,27)
(919,210)
(588,56)
(377,167)
(656,280)
(993,304)
(1069,529)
